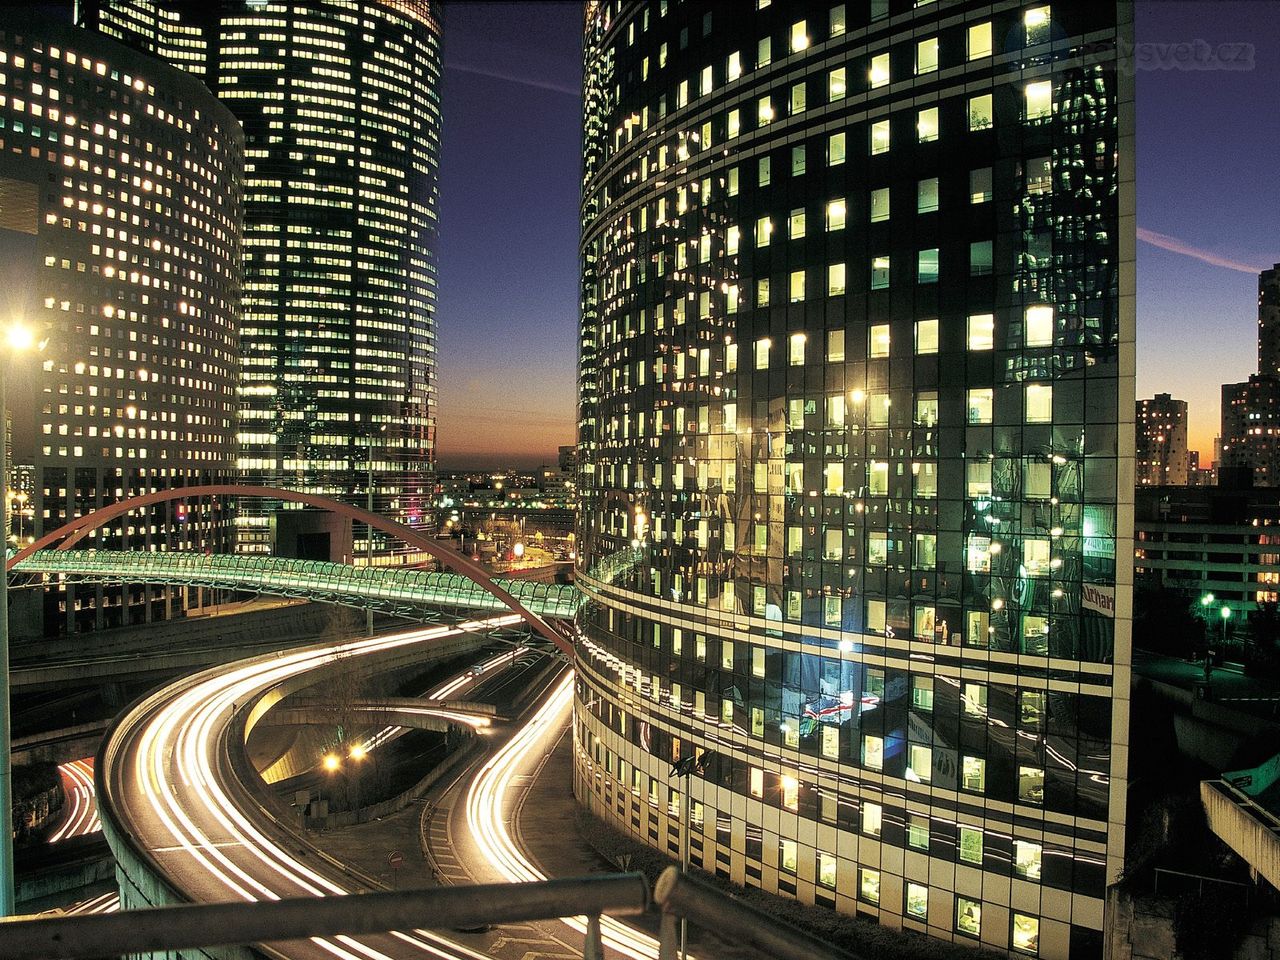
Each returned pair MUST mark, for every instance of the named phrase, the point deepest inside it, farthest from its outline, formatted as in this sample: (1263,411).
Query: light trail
(77,784)
(443,692)
(487,800)
(103,903)
(189,821)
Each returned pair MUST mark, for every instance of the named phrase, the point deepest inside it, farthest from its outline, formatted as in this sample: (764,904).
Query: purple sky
(1208,145)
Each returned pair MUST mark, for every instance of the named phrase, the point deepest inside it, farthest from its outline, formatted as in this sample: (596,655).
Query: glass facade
(856,381)
(123,175)
(340,102)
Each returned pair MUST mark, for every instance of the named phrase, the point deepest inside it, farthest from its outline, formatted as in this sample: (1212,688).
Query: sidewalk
(1229,687)
(547,829)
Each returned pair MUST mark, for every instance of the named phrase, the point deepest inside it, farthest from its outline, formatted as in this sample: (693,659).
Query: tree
(1165,621)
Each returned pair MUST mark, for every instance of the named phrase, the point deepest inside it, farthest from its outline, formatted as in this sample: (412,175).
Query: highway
(81,804)
(167,771)
(168,774)
(493,796)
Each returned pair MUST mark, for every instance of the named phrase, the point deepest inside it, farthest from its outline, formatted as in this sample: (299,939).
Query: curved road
(168,776)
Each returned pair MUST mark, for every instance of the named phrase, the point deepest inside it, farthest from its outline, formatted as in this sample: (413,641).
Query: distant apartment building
(1269,322)
(1251,428)
(1198,476)
(1161,458)
(1251,409)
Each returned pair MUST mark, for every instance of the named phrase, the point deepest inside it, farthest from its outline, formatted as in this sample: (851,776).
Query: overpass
(403,592)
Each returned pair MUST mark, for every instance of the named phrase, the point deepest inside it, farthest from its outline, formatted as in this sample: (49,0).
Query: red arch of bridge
(76,530)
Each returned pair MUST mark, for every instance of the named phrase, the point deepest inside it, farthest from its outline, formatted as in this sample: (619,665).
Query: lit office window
(879,137)
(1039,325)
(1039,100)
(981,112)
(926,336)
(1026,933)
(926,55)
(917,901)
(927,125)
(878,75)
(1039,400)
(869,885)
(878,341)
(982,331)
(1036,22)
(979,40)
(968,916)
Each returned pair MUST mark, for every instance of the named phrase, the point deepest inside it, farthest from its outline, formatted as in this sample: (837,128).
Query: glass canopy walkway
(405,592)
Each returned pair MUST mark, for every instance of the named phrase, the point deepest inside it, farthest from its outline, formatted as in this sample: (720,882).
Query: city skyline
(1198,253)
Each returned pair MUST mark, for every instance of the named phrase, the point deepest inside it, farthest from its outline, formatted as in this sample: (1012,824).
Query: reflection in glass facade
(121,220)
(856,380)
(340,102)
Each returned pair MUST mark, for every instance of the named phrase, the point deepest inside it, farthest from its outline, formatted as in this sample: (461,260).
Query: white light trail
(77,783)
(487,816)
(182,740)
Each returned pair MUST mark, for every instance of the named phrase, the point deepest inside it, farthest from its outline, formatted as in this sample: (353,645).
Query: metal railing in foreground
(679,895)
(194,926)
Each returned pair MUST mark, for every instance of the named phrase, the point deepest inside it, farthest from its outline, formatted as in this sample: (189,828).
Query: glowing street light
(18,338)
(331,762)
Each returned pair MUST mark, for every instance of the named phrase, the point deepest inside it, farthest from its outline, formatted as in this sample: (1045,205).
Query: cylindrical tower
(340,102)
(121,217)
(856,380)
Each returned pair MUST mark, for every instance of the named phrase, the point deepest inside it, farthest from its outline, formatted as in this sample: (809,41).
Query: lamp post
(18,339)
(368,537)
(1226,615)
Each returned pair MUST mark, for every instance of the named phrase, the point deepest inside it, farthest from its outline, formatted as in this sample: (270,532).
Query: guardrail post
(668,937)
(594,948)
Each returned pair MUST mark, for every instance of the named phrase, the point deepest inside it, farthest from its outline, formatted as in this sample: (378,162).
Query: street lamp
(368,539)
(1226,615)
(18,338)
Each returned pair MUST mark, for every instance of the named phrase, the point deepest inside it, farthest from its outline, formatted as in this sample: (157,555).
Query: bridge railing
(291,576)
(203,926)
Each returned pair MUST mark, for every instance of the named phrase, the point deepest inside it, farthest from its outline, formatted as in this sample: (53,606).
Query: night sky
(1208,145)
(509,182)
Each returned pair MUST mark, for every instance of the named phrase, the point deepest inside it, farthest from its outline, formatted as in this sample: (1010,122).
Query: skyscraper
(120,214)
(1250,439)
(1161,457)
(340,102)
(1269,322)
(856,386)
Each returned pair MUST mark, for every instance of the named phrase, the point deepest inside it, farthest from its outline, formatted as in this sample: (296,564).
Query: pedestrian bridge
(416,594)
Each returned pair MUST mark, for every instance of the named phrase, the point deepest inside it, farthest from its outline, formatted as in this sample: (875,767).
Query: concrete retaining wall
(1143,929)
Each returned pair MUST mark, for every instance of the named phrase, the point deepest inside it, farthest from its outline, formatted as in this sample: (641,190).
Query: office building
(1269,322)
(120,204)
(1161,456)
(856,377)
(340,102)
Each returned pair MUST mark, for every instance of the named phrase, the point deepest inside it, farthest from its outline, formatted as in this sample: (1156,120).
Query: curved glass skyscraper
(340,102)
(856,386)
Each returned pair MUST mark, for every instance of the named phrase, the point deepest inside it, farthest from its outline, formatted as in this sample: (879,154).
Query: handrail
(192,926)
(679,895)
(279,573)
